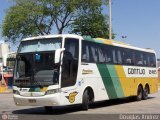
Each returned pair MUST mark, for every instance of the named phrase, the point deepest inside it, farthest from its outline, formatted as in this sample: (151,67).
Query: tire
(85,100)
(145,93)
(48,108)
(139,93)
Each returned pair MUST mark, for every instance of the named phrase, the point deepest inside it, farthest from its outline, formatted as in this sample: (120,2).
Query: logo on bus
(136,71)
(72,96)
(87,71)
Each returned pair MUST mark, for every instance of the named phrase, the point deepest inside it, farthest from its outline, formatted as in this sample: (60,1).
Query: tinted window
(100,53)
(152,59)
(119,56)
(70,62)
(94,53)
(85,52)
(108,54)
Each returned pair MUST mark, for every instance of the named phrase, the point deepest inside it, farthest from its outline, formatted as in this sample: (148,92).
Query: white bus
(59,70)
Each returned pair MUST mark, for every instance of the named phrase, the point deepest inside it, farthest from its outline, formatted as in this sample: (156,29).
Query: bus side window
(145,60)
(125,60)
(139,58)
(119,56)
(94,53)
(152,60)
(101,54)
(129,59)
(108,55)
(114,56)
(85,52)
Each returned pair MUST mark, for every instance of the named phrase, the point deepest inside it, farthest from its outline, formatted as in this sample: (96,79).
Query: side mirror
(58,55)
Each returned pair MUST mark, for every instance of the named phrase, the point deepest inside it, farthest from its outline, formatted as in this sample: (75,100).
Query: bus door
(69,70)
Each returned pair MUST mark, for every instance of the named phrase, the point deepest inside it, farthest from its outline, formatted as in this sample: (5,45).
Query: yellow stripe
(122,77)
(130,85)
(108,42)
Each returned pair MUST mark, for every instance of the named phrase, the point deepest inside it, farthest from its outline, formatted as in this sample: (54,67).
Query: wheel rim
(146,92)
(140,93)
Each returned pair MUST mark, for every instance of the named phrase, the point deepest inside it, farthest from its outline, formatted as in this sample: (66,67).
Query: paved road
(119,108)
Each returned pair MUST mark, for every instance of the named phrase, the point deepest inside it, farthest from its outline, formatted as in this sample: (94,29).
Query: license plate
(32,100)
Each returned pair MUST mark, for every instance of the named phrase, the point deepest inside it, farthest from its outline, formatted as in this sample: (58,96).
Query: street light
(110,20)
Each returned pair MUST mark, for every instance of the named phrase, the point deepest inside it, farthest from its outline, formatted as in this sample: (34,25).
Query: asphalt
(113,110)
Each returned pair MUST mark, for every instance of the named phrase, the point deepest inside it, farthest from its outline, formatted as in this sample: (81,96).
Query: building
(4,50)
(158,65)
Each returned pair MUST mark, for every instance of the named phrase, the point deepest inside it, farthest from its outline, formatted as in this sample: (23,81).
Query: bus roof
(52,36)
(96,40)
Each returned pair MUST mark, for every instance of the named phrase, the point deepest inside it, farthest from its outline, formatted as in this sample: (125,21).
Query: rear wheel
(145,92)
(139,93)
(85,100)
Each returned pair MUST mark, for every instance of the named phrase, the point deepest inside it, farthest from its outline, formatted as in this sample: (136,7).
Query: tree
(40,17)
(91,23)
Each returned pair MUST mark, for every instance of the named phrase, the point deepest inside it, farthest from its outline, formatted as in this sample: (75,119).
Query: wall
(4,50)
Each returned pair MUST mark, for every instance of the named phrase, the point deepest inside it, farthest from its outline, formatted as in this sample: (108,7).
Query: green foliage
(22,20)
(94,25)
(40,17)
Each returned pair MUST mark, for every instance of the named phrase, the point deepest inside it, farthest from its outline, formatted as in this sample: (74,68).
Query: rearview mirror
(58,55)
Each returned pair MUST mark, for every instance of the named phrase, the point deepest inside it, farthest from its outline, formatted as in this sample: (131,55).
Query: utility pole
(110,20)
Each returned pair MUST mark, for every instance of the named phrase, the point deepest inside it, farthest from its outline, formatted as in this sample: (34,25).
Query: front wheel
(85,100)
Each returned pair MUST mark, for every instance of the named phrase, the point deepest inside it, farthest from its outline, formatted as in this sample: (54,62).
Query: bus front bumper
(46,100)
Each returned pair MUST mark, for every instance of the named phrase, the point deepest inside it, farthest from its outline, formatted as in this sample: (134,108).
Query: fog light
(17,103)
(54,103)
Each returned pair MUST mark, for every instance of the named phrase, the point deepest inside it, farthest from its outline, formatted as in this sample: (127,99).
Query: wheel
(85,100)
(139,93)
(48,108)
(145,93)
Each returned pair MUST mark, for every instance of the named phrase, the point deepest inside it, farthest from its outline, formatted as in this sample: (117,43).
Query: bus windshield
(35,65)
(49,44)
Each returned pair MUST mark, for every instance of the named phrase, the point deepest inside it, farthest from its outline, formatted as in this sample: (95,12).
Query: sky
(139,20)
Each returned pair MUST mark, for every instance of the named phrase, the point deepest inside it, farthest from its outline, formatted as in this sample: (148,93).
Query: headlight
(16,92)
(52,91)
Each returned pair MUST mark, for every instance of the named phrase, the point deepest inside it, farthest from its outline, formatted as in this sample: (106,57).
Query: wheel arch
(147,85)
(90,92)
(140,84)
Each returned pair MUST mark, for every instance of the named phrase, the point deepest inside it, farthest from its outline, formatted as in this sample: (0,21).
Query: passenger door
(69,68)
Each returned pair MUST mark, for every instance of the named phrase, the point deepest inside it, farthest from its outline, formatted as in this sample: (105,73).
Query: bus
(67,69)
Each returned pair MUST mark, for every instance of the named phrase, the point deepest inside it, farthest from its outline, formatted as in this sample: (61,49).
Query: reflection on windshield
(36,69)
(49,44)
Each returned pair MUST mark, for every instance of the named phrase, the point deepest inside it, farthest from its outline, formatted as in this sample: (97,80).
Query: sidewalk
(6,91)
